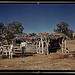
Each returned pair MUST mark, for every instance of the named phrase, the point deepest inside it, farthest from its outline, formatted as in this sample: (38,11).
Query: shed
(50,42)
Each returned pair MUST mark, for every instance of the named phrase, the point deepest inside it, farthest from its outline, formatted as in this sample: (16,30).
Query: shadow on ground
(19,55)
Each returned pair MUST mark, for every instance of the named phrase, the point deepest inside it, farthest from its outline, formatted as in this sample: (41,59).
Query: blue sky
(38,17)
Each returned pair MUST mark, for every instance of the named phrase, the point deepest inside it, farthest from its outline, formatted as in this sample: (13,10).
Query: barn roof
(21,38)
(51,35)
(44,35)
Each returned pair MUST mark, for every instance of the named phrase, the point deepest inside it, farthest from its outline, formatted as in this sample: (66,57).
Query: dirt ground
(53,61)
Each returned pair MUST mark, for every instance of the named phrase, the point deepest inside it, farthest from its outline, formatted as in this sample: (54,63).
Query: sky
(37,18)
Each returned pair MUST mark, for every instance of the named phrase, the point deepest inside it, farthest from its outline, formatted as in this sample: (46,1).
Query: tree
(31,34)
(13,29)
(63,28)
(1,28)
(2,32)
(23,34)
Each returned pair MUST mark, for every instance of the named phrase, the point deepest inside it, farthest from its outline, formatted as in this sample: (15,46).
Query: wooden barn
(47,43)
(43,43)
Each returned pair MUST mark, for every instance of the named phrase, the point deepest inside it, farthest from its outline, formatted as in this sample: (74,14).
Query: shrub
(70,56)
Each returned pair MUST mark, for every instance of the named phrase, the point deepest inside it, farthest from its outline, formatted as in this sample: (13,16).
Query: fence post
(42,48)
(6,52)
(62,45)
(47,48)
(9,54)
(65,44)
(39,46)
(36,47)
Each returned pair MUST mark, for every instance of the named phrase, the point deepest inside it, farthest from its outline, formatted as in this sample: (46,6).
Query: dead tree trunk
(62,45)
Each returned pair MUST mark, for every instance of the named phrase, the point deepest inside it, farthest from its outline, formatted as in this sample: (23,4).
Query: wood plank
(17,52)
(16,49)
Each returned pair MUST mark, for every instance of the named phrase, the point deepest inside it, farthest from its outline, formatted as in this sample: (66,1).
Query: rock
(6,66)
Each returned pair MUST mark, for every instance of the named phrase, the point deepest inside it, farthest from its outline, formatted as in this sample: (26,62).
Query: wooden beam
(65,45)
(42,44)
(62,46)
(47,43)
(47,48)
(36,47)
(42,48)
(12,55)
(9,55)
(39,46)
(6,52)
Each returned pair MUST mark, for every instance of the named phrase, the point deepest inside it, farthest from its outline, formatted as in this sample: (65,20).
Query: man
(23,47)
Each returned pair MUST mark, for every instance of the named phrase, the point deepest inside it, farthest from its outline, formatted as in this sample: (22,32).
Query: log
(47,44)
(42,48)
(62,45)
(39,47)
(65,45)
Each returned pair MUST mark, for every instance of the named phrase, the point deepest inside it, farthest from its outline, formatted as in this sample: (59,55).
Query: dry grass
(39,62)
(53,61)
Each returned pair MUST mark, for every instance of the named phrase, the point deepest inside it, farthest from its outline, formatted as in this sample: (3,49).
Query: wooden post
(36,47)
(47,48)
(65,45)
(62,45)
(42,44)
(47,44)
(42,48)
(9,55)
(39,46)
(6,52)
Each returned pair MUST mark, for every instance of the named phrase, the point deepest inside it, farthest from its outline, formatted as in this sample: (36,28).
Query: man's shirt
(23,44)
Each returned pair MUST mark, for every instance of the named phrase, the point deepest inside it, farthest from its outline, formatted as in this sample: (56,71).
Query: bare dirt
(53,61)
